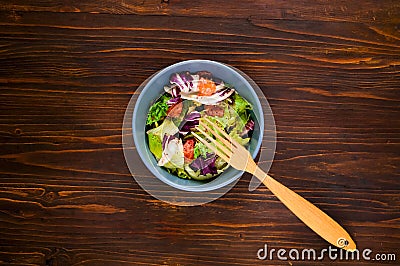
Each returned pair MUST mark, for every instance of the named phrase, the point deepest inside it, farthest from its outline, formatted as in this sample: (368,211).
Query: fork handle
(307,212)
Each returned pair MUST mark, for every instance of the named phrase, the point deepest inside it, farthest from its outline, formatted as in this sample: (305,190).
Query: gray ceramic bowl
(152,91)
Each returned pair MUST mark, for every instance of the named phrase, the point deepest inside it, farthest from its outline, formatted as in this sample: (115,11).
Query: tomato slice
(206,87)
(188,148)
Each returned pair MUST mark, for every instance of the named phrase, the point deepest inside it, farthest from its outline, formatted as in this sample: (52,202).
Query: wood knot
(18,131)
(50,196)
(164,4)
(58,256)
(16,17)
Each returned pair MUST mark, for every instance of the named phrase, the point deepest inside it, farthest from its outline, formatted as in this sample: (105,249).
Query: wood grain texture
(66,196)
(386,11)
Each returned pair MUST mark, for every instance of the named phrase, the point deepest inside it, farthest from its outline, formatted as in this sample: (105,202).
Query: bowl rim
(202,187)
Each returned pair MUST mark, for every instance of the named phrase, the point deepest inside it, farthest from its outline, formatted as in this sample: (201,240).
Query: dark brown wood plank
(337,10)
(67,197)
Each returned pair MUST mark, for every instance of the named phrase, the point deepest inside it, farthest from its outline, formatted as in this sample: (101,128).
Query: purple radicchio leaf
(174,90)
(248,127)
(205,165)
(190,121)
(183,80)
(166,139)
(173,101)
(225,93)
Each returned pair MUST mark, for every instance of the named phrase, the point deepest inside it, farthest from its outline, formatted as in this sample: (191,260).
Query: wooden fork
(239,157)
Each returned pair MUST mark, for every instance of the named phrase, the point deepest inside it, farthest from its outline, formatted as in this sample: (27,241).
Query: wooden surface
(330,70)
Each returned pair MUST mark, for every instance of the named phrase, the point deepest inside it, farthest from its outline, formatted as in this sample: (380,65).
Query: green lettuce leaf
(187,107)
(156,135)
(191,173)
(203,177)
(200,150)
(220,163)
(235,136)
(183,174)
(241,106)
(158,110)
(228,120)
(155,145)
(167,127)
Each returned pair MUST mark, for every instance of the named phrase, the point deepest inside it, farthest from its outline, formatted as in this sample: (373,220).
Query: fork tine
(217,128)
(211,147)
(218,136)
(224,149)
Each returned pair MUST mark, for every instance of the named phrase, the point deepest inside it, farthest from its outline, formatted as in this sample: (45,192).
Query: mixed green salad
(175,115)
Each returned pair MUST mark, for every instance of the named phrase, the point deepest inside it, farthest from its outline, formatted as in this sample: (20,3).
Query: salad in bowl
(175,115)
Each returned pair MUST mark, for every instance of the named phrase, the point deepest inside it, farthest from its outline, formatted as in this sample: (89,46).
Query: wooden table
(330,70)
